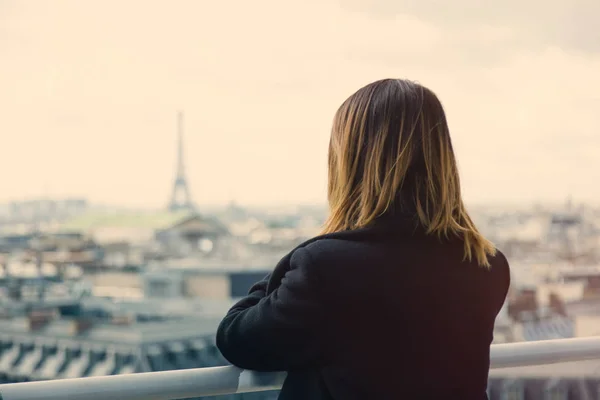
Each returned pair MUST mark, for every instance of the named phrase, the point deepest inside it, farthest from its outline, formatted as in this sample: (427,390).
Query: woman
(397,298)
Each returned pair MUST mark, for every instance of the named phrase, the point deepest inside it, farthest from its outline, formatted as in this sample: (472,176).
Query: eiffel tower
(181,199)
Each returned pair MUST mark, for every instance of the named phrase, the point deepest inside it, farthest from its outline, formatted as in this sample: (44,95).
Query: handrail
(230,380)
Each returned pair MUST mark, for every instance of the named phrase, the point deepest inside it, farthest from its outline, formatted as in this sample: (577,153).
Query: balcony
(195,383)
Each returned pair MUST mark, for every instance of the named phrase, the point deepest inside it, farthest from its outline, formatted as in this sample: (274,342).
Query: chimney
(557,305)
(39,319)
(523,302)
(122,320)
(81,325)
(591,289)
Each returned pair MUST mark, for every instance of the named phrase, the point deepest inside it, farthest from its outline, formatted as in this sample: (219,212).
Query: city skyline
(91,90)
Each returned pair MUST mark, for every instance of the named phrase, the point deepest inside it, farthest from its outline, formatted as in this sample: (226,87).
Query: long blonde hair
(390,144)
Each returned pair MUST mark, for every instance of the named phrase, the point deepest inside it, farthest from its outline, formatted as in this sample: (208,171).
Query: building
(64,332)
(192,235)
(210,281)
(44,346)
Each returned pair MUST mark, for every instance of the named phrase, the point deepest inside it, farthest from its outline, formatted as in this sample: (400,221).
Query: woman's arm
(256,292)
(279,332)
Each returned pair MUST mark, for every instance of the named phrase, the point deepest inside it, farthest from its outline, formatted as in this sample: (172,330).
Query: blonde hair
(390,147)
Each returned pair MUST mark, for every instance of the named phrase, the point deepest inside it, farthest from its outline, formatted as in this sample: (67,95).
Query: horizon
(91,204)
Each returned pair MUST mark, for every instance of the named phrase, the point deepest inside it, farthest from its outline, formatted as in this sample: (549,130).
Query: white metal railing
(229,380)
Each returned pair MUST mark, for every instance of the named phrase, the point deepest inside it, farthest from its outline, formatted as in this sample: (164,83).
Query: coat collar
(398,224)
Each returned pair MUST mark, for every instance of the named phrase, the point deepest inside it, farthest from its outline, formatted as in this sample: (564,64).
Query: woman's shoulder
(499,266)
(499,262)
(334,255)
(327,247)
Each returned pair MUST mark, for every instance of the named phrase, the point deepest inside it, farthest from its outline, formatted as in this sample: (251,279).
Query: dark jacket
(384,312)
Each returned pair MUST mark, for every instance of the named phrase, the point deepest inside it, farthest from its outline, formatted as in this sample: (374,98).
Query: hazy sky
(89,92)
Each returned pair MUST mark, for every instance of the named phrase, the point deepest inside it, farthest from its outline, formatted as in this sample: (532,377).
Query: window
(159,288)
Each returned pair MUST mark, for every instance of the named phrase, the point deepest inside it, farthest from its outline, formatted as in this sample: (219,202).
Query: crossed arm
(280,331)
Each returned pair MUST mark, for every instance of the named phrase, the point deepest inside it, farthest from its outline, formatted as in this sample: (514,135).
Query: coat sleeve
(280,331)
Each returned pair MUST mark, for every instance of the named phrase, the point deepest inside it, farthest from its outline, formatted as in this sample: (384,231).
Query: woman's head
(390,149)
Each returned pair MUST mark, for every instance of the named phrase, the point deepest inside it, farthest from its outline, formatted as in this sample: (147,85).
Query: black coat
(384,312)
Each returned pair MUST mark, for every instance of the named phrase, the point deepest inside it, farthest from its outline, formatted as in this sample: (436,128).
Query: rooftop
(57,351)
(109,334)
(147,220)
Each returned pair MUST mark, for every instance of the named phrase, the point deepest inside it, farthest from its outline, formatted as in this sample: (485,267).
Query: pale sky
(89,92)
